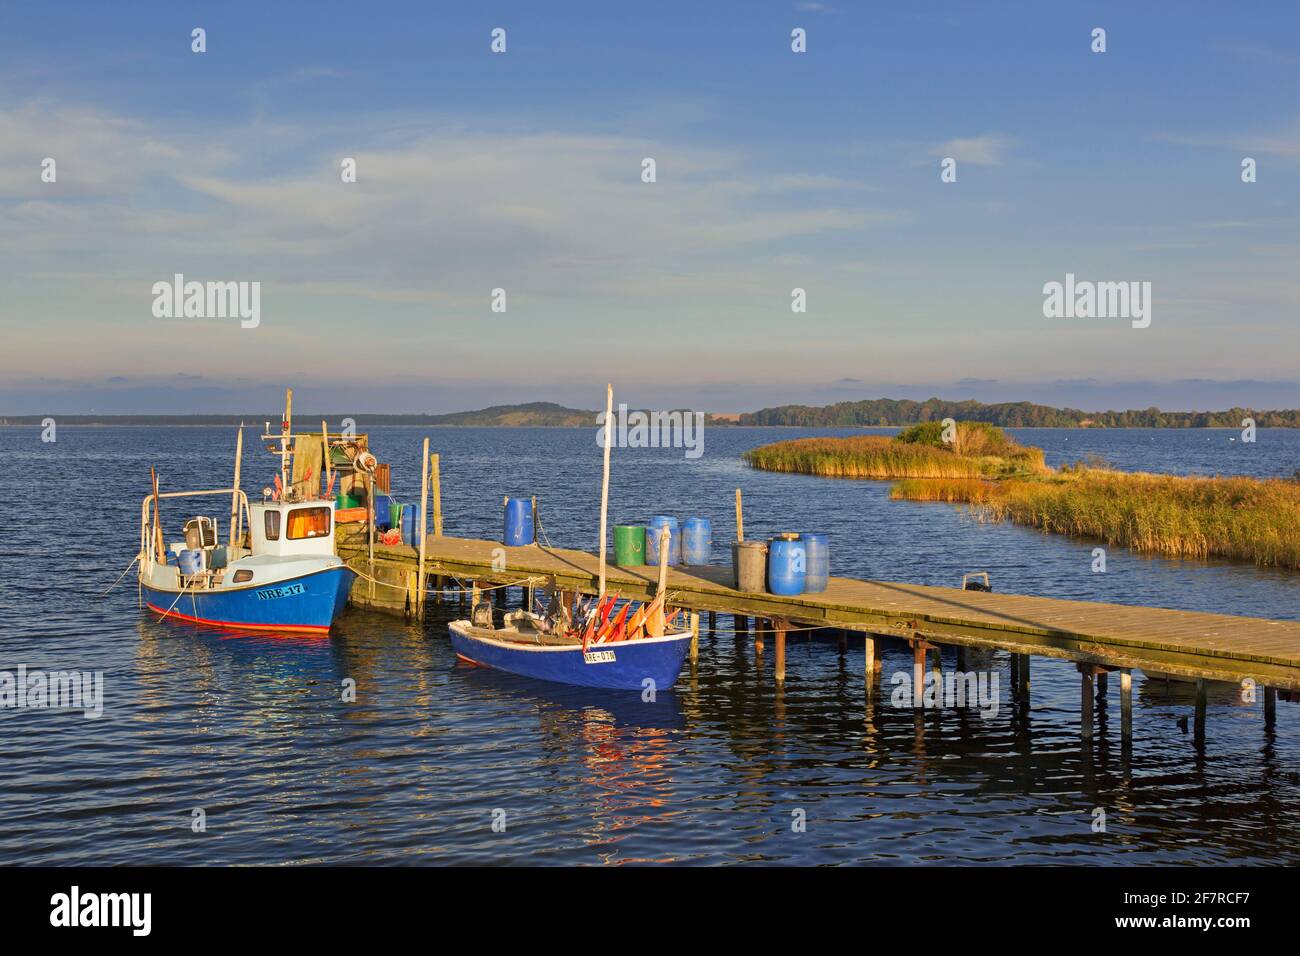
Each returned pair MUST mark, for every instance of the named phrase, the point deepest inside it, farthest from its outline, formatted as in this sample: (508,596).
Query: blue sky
(521,171)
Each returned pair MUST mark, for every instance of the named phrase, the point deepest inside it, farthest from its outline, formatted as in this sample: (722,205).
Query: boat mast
(604,484)
(284,440)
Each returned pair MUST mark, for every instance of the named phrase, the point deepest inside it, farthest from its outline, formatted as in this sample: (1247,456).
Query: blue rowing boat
(639,664)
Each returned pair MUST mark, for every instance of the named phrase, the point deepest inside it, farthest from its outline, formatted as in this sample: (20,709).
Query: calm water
(252,731)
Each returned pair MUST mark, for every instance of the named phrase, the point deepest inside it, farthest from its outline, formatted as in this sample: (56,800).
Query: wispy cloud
(987,150)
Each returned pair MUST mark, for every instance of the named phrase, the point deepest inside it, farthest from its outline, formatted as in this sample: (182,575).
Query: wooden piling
(695,636)
(740,623)
(1126,703)
(1085,700)
(780,650)
(918,672)
(713,621)
(761,626)
(435,485)
(234,497)
(1199,718)
(1270,706)
(424,526)
(740,518)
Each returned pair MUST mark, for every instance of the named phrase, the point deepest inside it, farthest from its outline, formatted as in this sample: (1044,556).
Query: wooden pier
(1098,637)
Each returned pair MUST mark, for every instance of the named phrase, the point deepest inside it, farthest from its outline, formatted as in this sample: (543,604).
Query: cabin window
(242,575)
(308,523)
(273,526)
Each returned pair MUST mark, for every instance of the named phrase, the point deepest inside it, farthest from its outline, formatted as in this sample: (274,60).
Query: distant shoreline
(868,413)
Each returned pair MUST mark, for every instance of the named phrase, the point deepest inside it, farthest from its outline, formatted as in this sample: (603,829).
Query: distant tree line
(890,411)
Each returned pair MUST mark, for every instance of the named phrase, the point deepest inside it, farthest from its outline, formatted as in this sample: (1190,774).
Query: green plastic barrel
(343,501)
(629,545)
(395,514)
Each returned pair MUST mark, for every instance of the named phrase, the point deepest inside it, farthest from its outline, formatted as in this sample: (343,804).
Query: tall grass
(978,451)
(1168,515)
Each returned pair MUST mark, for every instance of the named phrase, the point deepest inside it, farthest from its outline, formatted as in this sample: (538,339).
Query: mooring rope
(122,575)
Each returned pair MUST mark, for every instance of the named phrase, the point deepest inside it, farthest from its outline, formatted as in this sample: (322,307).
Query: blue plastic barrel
(410,524)
(519,522)
(818,558)
(697,541)
(787,566)
(652,540)
(190,561)
(383,520)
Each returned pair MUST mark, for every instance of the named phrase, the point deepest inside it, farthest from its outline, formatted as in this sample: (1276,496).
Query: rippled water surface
(251,729)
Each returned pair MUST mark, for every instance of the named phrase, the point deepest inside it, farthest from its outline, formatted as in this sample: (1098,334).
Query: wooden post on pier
(234,497)
(435,483)
(1020,677)
(695,636)
(869,665)
(424,525)
(604,482)
(781,626)
(1270,706)
(1125,703)
(740,518)
(740,623)
(918,672)
(1199,730)
(1085,700)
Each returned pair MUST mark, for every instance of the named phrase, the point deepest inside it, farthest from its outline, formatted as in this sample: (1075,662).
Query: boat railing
(146,548)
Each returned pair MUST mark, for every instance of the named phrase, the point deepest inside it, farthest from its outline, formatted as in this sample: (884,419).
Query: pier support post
(1199,720)
(695,637)
(1020,664)
(869,665)
(1270,707)
(961,657)
(1085,700)
(713,621)
(780,651)
(1126,703)
(740,623)
(761,626)
(1103,684)
(918,673)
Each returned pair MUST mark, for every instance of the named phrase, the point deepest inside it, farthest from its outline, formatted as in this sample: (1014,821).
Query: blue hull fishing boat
(625,665)
(296,602)
(591,646)
(277,571)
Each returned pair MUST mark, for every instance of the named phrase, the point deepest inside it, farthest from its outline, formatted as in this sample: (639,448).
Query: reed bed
(979,451)
(1169,515)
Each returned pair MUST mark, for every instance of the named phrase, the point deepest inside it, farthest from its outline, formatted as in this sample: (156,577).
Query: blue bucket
(697,541)
(519,522)
(787,566)
(818,575)
(652,540)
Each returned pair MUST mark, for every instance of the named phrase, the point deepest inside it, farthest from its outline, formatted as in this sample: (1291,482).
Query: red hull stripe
(308,628)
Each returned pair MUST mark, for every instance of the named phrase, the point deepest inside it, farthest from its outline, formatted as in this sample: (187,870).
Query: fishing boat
(585,644)
(613,655)
(277,571)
